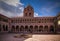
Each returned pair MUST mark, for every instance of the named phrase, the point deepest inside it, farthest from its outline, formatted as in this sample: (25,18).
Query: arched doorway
(17,28)
(46,29)
(36,28)
(26,28)
(51,28)
(31,29)
(40,28)
(13,29)
(21,28)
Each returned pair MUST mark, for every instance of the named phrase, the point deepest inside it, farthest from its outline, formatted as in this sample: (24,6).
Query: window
(26,14)
(12,21)
(39,22)
(28,9)
(5,20)
(29,14)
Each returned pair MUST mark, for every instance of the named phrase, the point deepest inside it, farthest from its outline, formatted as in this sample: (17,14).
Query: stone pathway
(10,37)
(44,38)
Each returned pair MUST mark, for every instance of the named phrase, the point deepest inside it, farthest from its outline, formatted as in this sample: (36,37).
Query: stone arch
(51,28)
(46,28)
(40,28)
(13,28)
(36,28)
(31,29)
(21,28)
(58,28)
(17,28)
(4,29)
(26,28)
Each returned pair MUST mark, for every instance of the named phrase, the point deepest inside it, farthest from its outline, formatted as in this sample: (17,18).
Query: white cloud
(20,3)
(8,14)
(20,15)
(11,2)
(21,8)
(36,14)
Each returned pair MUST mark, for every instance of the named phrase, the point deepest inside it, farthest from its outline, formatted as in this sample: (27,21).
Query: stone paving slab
(36,37)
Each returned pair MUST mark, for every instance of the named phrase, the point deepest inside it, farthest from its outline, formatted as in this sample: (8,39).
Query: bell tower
(28,11)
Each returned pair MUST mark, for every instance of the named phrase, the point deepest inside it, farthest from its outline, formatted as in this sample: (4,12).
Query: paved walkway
(10,37)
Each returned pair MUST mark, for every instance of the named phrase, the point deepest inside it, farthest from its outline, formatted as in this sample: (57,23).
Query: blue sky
(14,8)
(44,7)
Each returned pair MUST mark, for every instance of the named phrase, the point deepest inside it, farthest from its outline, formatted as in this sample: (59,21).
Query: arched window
(29,14)
(31,27)
(25,14)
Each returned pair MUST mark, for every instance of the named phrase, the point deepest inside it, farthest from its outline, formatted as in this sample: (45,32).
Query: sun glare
(59,22)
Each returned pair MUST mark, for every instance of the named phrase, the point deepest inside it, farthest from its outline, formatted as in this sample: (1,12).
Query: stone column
(33,29)
(38,29)
(5,28)
(19,28)
(43,28)
(48,29)
(24,29)
(15,29)
(54,29)
(2,28)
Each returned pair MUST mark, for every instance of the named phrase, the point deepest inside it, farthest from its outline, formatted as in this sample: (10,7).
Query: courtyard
(35,37)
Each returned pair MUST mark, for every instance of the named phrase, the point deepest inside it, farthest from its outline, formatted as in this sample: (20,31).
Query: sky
(14,8)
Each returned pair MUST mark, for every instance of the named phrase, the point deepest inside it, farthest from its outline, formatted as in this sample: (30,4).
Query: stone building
(30,24)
